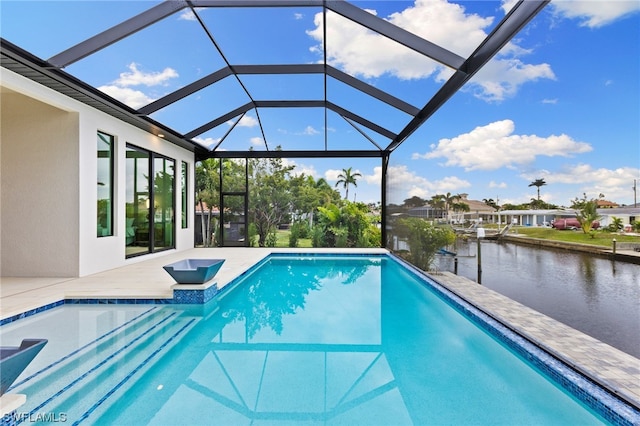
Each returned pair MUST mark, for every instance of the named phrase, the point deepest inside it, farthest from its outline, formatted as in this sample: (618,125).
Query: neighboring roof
(541,212)
(613,211)
(606,204)
(50,73)
(631,211)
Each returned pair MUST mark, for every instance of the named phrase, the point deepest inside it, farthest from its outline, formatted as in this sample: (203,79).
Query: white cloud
(120,89)
(331,175)
(187,15)
(309,130)
(501,185)
(495,146)
(361,52)
(298,16)
(208,142)
(245,121)
(257,141)
(404,183)
(595,14)
(507,5)
(613,183)
(130,97)
(135,77)
(306,169)
(501,78)
(550,101)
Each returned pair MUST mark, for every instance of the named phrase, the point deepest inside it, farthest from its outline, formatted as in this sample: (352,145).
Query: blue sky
(560,102)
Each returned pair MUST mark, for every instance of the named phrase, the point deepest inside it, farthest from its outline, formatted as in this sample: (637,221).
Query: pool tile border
(31,312)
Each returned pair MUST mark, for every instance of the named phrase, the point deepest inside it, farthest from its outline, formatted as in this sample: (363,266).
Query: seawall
(622,255)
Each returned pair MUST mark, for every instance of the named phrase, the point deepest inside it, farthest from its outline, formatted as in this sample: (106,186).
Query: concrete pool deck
(144,278)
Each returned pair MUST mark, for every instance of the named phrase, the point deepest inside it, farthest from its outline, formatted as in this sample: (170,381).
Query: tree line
(276,196)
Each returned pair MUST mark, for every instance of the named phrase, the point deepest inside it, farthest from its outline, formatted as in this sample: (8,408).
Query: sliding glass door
(150,203)
(163,202)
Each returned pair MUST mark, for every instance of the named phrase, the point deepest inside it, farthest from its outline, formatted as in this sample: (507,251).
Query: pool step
(75,385)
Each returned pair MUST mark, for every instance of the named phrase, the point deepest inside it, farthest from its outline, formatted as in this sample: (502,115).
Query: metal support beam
(257,3)
(515,20)
(396,33)
(366,123)
(185,91)
(290,104)
(292,154)
(383,202)
(220,120)
(372,91)
(279,69)
(118,32)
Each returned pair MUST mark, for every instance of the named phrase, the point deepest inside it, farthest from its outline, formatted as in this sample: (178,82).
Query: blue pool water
(320,340)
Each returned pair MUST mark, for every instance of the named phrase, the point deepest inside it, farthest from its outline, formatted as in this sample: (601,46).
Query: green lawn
(601,238)
(283,240)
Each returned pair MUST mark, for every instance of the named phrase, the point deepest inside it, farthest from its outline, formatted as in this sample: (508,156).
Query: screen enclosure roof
(246,69)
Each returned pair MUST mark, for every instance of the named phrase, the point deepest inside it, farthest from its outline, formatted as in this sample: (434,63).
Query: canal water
(597,296)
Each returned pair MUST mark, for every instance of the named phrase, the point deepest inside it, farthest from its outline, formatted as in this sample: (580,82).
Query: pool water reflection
(340,341)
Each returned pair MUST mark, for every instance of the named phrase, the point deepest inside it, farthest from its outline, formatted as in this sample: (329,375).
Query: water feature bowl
(14,359)
(194,271)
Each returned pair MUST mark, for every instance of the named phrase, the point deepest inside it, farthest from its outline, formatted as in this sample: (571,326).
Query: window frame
(109,211)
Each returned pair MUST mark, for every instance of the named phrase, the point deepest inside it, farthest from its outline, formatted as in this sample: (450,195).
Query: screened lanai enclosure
(227,80)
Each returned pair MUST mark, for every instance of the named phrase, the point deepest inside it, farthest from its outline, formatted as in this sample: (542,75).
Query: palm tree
(347,178)
(588,215)
(449,199)
(538,183)
(491,203)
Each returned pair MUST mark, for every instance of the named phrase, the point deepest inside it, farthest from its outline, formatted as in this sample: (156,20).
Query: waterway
(597,296)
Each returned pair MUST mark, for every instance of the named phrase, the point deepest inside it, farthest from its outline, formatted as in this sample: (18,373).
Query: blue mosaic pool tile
(31,312)
(195,296)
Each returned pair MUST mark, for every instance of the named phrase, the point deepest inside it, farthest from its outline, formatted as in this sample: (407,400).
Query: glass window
(163,202)
(138,199)
(150,211)
(105,184)
(184,185)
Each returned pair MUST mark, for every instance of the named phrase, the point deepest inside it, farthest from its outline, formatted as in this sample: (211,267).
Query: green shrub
(318,237)
(616,224)
(424,240)
(271,239)
(253,235)
(301,229)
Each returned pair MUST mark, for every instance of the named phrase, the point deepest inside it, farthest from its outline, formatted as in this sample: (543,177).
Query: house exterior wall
(63,129)
(40,236)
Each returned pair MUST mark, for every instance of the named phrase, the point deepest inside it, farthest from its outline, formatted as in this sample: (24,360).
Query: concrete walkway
(145,279)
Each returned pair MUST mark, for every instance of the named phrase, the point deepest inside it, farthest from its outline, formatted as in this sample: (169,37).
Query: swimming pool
(299,339)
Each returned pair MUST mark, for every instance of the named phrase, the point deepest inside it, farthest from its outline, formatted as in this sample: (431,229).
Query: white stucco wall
(76,164)
(39,188)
